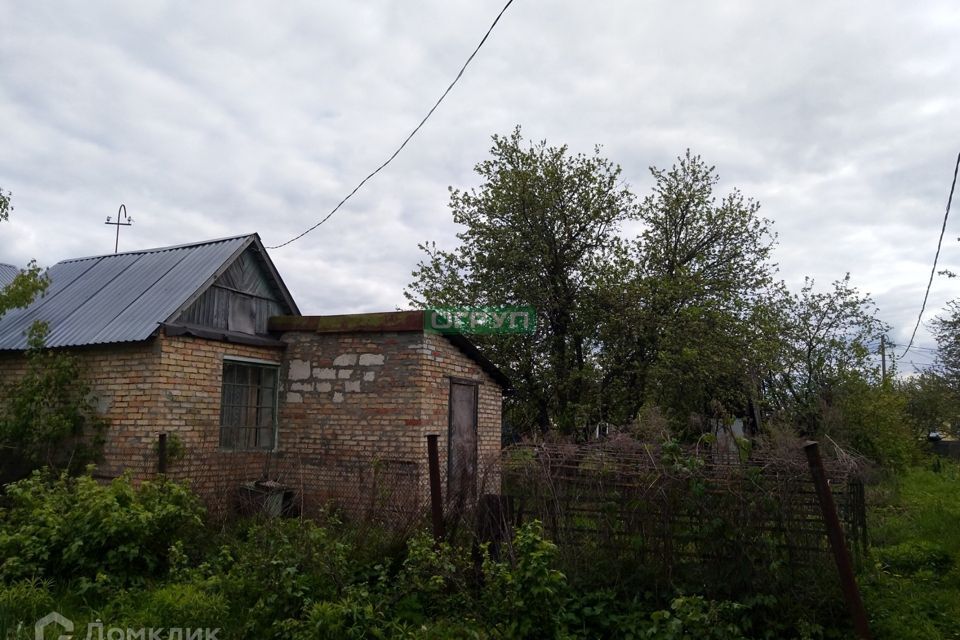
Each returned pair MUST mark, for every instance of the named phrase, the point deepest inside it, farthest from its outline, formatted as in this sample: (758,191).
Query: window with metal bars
(248,406)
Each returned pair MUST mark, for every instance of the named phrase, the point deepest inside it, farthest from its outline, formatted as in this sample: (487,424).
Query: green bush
(275,569)
(436,593)
(525,598)
(112,534)
(47,417)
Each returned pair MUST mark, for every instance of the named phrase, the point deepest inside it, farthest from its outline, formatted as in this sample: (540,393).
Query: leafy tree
(947,331)
(537,230)
(27,284)
(933,396)
(932,403)
(828,337)
(689,319)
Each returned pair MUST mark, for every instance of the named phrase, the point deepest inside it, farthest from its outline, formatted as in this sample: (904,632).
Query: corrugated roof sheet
(119,297)
(7,273)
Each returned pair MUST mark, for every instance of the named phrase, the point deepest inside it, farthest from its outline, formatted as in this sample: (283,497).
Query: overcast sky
(216,119)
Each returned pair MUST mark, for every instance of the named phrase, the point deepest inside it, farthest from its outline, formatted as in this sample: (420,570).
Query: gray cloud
(209,122)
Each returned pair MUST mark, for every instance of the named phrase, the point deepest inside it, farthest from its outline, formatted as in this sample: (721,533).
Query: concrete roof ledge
(400,321)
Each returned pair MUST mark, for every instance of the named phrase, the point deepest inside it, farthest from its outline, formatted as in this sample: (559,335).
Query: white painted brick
(345,360)
(299,370)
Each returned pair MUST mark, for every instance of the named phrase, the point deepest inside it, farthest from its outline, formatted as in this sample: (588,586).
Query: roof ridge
(160,249)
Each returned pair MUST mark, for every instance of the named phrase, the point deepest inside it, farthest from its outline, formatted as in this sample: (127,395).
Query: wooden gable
(241,299)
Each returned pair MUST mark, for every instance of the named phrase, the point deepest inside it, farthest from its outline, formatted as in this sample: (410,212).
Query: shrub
(525,598)
(275,569)
(48,418)
(104,534)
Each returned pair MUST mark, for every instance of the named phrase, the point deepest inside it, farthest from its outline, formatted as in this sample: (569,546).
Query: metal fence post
(841,554)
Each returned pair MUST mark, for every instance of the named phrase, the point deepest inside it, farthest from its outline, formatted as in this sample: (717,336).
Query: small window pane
(248,412)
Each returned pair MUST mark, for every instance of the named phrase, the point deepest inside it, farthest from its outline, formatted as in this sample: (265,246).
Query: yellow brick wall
(354,412)
(163,385)
(441,361)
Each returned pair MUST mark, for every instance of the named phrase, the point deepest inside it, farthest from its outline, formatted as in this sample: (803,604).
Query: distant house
(204,343)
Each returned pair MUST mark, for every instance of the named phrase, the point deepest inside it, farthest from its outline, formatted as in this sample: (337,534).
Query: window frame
(240,430)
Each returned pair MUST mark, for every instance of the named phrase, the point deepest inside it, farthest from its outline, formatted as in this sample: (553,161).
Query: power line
(935,258)
(407,139)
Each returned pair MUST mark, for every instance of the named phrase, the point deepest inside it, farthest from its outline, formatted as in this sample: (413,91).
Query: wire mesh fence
(624,510)
(619,510)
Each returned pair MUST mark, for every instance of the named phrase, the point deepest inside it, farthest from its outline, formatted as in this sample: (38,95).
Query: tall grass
(913,589)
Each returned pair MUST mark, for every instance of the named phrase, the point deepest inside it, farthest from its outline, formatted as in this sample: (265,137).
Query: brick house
(204,343)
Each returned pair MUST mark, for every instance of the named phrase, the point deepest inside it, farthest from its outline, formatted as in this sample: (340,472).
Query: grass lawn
(913,588)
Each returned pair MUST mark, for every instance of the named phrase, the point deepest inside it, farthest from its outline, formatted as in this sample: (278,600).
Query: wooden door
(462,443)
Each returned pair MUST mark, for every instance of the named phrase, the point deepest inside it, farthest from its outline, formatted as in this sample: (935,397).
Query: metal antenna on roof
(123,220)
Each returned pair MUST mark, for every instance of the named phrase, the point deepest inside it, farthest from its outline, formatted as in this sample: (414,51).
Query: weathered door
(462,452)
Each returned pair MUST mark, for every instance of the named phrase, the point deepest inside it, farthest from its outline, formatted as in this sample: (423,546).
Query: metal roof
(7,273)
(122,297)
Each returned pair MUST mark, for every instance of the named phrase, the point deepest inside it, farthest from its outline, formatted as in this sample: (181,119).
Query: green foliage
(272,570)
(22,602)
(27,284)
(932,403)
(48,418)
(694,617)
(537,231)
(700,268)
(915,557)
(100,535)
(687,315)
(914,589)
(872,420)
(526,599)
(5,206)
(292,579)
(826,338)
(947,330)
(24,287)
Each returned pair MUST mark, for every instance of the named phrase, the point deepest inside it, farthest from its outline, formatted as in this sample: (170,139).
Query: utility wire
(933,271)
(407,139)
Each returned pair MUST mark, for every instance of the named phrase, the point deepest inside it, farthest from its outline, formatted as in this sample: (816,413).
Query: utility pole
(123,220)
(883,359)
